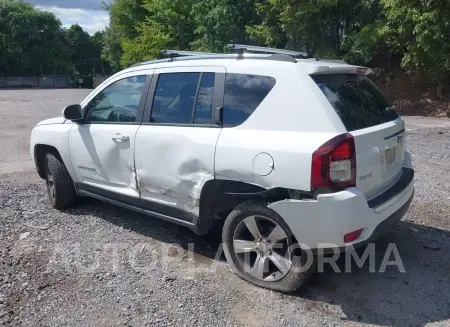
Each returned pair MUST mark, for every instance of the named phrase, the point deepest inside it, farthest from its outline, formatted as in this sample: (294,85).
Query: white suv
(286,151)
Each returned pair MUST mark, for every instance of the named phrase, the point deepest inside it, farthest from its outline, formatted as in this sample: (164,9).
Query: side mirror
(73,113)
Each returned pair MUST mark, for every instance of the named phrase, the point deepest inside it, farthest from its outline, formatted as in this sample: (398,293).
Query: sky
(89,14)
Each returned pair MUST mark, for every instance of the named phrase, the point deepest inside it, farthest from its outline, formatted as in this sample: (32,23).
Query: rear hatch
(377,129)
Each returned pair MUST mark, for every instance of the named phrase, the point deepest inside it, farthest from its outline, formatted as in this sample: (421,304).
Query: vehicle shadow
(416,297)
(204,246)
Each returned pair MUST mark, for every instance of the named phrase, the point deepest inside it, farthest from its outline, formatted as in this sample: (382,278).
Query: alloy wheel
(262,248)
(50,183)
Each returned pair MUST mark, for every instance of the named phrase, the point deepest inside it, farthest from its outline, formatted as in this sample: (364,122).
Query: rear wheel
(261,249)
(60,188)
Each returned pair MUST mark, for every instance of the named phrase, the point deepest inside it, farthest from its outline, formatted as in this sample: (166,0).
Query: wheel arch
(40,151)
(219,197)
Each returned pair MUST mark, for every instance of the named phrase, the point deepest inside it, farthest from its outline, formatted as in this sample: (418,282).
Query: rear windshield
(356,100)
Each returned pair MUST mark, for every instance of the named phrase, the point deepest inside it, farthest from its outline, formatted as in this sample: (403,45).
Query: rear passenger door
(175,145)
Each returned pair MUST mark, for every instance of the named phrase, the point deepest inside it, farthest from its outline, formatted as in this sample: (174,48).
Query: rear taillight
(350,237)
(334,164)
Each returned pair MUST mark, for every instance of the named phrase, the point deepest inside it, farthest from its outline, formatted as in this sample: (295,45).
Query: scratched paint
(181,191)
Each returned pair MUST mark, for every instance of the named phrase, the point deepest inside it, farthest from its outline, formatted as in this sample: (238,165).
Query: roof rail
(338,61)
(181,53)
(252,48)
(204,55)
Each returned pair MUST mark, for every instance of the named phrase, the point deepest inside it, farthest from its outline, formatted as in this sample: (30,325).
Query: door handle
(120,137)
(218,115)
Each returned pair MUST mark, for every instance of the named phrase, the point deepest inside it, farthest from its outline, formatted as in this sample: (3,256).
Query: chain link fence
(51,81)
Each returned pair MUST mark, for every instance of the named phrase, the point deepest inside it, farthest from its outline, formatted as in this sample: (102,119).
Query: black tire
(301,269)
(60,187)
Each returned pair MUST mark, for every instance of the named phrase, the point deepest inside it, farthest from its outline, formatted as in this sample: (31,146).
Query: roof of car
(310,65)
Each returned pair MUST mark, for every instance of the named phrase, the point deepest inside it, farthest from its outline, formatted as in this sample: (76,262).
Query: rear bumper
(322,223)
(386,225)
(396,191)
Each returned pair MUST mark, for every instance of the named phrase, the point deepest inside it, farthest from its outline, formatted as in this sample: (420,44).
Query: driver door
(102,147)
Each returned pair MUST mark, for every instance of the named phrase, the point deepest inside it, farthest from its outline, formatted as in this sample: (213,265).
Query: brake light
(334,164)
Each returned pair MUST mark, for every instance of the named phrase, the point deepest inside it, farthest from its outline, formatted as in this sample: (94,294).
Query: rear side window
(183,98)
(205,98)
(243,94)
(174,98)
(356,100)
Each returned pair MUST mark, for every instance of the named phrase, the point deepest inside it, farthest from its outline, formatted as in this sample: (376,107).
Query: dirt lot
(97,265)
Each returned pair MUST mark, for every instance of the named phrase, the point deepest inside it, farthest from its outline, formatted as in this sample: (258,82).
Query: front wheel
(60,188)
(261,249)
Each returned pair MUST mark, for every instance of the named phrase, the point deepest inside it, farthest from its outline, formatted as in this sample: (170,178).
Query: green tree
(317,27)
(168,24)
(269,31)
(411,33)
(220,22)
(112,48)
(423,28)
(98,40)
(31,41)
(81,44)
(85,53)
(125,18)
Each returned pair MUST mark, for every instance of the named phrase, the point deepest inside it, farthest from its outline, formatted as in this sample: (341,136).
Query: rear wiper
(387,109)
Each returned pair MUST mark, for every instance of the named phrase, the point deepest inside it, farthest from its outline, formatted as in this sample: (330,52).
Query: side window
(205,99)
(243,94)
(175,98)
(118,102)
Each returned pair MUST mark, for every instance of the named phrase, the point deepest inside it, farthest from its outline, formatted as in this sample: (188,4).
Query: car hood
(54,120)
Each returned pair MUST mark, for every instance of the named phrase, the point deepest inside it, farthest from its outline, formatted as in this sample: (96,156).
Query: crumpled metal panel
(173,164)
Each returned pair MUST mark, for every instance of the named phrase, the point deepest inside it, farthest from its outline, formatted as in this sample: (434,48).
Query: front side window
(243,94)
(118,102)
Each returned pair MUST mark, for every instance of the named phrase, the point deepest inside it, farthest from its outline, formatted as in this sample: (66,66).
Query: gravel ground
(98,265)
